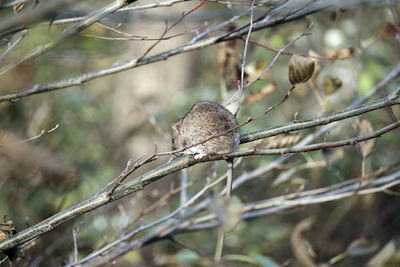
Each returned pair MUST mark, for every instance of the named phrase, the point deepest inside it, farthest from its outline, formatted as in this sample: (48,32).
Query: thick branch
(344,114)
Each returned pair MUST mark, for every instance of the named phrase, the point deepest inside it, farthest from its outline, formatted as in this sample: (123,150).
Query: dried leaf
(228,211)
(387,29)
(314,78)
(18,7)
(366,148)
(232,78)
(261,93)
(361,246)
(228,65)
(6,229)
(226,56)
(280,140)
(342,53)
(300,69)
(3,235)
(255,69)
(302,249)
(332,16)
(331,84)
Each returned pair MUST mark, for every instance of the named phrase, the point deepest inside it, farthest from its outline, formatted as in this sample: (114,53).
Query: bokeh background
(105,122)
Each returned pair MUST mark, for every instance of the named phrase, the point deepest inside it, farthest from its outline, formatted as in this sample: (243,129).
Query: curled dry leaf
(228,211)
(259,94)
(342,53)
(300,69)
(302,249)
(331,84)
(366,148)
(18,7)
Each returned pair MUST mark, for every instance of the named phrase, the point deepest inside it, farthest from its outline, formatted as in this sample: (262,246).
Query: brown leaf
(314,78)
(6,229)
(18,7)
(259,94)
(228,62)
(387,29)
(300,69)
(255,69)
(331,84)
(3,235)
(332,16)
(366,148)
(280,140)
(226,56)
(342,53)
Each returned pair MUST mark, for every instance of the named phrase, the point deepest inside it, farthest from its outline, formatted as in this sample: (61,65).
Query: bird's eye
(173,140)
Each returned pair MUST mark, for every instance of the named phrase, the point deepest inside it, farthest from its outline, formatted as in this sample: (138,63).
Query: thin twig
(74,234)
(241,88)
(11,45)
(66,34)
(250,211)
(140,182)
(43,132)
(190,46)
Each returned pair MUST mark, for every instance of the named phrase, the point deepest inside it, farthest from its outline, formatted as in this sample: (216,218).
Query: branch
(140,182)
(250,211)
(267,22)
(344,114)
(68,33)
(31,16)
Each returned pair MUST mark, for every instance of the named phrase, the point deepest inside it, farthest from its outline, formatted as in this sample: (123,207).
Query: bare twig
(43,132)
(291,54)
(132,37)
(250,211)
(74,234)
(12,44)
(190,46)
(178,164)
(66,34)
(126,172)
(31,16)
(241,88)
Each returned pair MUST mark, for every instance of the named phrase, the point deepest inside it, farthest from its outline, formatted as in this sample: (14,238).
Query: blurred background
(105,122)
